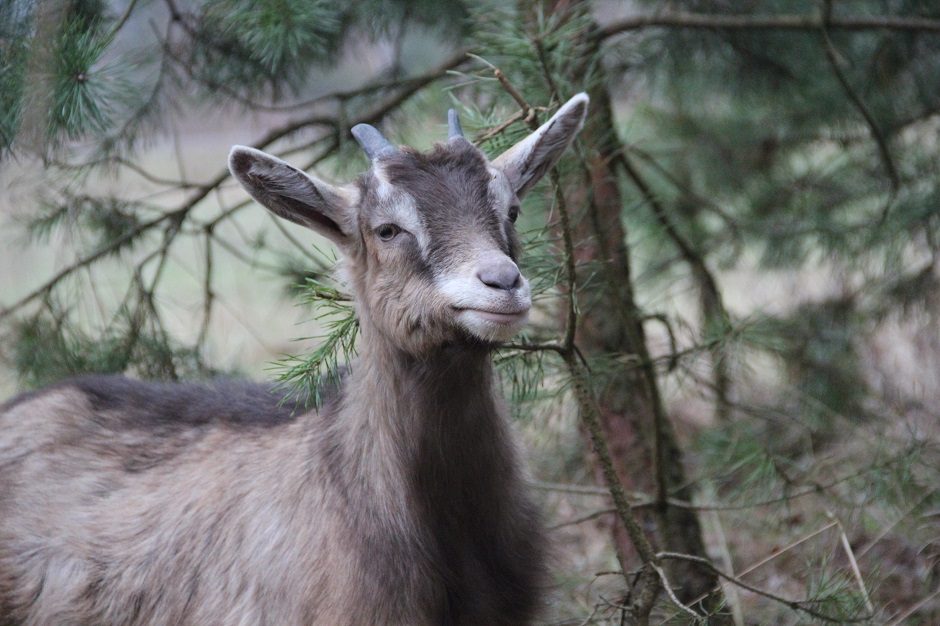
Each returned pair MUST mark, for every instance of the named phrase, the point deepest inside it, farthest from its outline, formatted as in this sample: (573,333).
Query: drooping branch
(179,214)
(713,307)
(876,132)
(651,579)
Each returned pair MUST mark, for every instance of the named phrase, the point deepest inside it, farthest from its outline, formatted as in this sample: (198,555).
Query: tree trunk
(639,433)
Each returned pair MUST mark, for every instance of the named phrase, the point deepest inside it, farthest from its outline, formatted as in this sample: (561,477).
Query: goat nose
(502,274)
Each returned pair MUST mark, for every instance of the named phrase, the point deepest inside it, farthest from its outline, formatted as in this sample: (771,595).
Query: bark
(639,433)
(640,436)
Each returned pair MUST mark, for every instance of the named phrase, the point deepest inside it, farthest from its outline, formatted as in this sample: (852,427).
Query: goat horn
(372,141)
(453,125)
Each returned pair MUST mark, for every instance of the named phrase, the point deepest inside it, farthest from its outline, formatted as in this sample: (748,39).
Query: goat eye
(513,213)
(387,232)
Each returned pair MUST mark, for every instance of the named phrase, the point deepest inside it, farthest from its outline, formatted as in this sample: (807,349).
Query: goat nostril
(500,276)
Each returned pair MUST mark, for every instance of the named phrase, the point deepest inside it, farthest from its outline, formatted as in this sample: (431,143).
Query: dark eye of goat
(387,232)
(513,213)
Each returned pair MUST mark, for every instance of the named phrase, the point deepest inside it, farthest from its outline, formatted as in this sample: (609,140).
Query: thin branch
(593,515)
(82,262)
(202,191)
(890,527)
(713,308)
(521,114)
(369,88)
(122,20)
(208,294)
(856,572)
(648,585)
(797,605)
(180,184)
(916,607)
(695,261)
(686,190)
(672,595)
(673,345)
(681,19)
(535,347)
(584,490)
(856,99)
(237,252)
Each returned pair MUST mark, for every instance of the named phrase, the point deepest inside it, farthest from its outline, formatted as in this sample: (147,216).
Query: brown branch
(687,192)
(649,584)
(584,490)
(122,20)
(713,307)
(766,22)
(859,103)
(237,252)
(696,618)
(704,275)
(673,357)
(902,617)
(797,605)
(535,347)
(204,190)
(584,518)
(82,262)
(208,294)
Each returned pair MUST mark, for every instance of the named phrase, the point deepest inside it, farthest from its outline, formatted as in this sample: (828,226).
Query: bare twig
(770,558)
(648,585)
(900,619)
(859,103)
(885,531)
(202,191)
(713,308)
(797,605)
(856,572)
(585,490)
(122,20)
(584,518)
(673,345)
(208,294)
(696,618)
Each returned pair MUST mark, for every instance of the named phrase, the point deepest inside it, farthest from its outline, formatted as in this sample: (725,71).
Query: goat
(400,501)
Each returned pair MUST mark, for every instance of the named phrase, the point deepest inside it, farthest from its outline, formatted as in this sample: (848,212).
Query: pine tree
(729,149)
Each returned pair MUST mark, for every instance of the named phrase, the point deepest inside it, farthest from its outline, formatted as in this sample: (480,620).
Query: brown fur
(400,502)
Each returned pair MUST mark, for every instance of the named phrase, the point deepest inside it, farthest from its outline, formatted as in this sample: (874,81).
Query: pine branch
(713,307)
(859,103)
(649,582)
(766,22)
(201,192)
(796,605)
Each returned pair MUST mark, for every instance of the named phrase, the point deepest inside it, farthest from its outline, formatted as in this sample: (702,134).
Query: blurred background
(752,214)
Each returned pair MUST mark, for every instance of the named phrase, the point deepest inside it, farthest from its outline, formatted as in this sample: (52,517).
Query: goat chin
(492,326)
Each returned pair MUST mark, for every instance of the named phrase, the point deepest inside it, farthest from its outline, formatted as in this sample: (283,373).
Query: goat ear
(527,161)
(292,194)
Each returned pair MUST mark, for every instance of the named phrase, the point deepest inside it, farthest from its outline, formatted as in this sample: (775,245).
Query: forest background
(729,391)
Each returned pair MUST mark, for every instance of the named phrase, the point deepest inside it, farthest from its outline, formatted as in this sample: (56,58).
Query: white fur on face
(399,207)
(487,313)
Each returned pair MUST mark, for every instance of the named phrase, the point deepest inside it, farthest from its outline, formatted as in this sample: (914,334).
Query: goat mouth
(498,317)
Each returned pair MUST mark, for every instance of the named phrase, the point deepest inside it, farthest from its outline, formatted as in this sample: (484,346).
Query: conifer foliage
(731,378)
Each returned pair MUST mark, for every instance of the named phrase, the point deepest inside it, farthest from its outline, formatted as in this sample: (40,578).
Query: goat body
(400,501)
